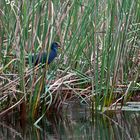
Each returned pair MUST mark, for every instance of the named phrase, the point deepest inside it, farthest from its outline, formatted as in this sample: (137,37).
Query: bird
(42,57)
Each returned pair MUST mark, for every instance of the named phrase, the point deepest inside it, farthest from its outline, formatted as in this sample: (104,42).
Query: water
(75,123)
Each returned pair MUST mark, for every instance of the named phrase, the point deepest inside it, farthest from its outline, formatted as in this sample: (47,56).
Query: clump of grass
(99,57)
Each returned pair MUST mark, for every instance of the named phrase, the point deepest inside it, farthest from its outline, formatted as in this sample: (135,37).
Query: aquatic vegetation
(99,61)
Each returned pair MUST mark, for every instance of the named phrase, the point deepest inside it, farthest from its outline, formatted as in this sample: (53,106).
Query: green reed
(100,51)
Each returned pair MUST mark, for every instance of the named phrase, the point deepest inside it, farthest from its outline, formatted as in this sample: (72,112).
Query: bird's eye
(56,44)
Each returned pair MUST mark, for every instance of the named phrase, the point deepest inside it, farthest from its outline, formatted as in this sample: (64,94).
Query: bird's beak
(59,46)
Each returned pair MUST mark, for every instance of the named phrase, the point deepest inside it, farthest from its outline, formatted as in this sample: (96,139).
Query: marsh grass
(99,61)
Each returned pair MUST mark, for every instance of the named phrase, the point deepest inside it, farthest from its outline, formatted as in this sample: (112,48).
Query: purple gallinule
(42,57)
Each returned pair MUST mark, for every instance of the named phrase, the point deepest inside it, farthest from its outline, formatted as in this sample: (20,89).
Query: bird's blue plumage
(42,57)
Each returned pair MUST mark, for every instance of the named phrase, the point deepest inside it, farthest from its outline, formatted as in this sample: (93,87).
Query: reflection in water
(75,123)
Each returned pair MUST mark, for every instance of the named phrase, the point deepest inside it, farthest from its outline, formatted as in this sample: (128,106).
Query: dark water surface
(75,123)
